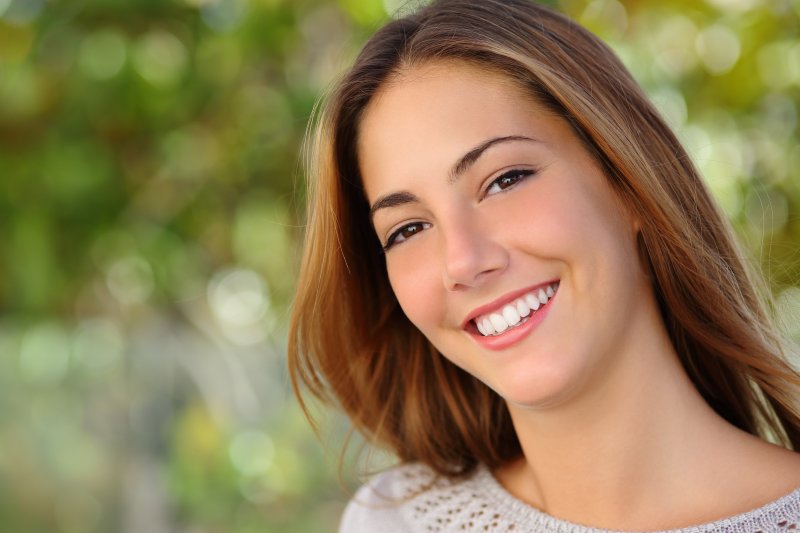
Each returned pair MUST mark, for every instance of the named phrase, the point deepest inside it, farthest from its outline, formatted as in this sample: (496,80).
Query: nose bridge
(470,251)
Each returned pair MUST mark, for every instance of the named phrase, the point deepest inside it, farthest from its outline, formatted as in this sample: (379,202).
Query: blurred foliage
(150,210)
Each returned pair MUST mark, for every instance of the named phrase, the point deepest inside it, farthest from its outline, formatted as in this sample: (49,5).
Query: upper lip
(498,303)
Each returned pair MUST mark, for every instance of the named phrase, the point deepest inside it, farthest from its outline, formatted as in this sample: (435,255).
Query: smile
(516,312)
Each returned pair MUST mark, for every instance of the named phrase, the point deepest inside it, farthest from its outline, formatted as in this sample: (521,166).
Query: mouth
(514,313)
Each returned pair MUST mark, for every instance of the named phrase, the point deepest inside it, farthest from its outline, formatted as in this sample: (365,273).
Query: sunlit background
(151,205)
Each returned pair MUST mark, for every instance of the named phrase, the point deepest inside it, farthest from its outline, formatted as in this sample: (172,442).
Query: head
(350,339)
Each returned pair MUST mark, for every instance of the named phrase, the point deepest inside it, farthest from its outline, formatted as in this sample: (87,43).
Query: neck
(616,456)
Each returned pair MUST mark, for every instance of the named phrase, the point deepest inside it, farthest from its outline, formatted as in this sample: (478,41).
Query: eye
(507,180)
(404,233)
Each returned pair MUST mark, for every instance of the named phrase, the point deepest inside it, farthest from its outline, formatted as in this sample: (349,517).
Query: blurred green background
(150,212)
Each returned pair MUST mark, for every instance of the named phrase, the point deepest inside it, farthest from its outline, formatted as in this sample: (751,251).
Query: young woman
(515,280)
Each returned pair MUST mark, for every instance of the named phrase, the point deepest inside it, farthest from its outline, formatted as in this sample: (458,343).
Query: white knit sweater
(411,498)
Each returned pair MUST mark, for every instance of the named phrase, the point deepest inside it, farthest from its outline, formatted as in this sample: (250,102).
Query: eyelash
(392,240)
(517,174)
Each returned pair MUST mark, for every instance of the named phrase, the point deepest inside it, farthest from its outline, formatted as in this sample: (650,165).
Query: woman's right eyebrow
(392,200)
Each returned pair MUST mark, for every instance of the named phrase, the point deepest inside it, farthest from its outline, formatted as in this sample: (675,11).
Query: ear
(636,223)
(632,219)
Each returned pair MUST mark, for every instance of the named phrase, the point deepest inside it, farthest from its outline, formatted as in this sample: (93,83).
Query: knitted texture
(411,498)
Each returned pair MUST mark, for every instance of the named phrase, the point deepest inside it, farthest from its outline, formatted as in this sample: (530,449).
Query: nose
(471,255)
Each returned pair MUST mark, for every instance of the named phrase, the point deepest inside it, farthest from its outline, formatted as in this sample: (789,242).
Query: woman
(515,280)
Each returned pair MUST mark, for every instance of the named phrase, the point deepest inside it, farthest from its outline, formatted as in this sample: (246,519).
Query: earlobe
(634,219)
(631,219)
(636,224)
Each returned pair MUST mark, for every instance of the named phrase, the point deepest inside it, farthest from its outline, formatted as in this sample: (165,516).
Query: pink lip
(512,335)
(501,301)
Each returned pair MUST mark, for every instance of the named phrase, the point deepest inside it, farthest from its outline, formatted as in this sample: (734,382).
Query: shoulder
(401,499)
(780,515)
(764,472)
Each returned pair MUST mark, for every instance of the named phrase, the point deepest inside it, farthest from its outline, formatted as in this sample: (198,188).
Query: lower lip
(514,335)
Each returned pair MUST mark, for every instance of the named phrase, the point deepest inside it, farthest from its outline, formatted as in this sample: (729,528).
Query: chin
(537,392)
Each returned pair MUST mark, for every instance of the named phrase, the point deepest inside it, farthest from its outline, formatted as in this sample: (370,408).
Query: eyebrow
(392,200)
(467,160)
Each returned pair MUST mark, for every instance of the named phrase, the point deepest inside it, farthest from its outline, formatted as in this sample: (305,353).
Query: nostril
(471,271)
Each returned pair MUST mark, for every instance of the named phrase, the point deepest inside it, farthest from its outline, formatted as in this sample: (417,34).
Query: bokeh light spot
(191,153)
(718,48)
(723,172)
(44,353)
(779,64)
(735,6)
(238,296)
(252,452)
(674,50)
(608,16)
(239,299)
(223,15)
(257,489)
(672,105)
(160,58)
(21,12)
(130,280)
(102,54)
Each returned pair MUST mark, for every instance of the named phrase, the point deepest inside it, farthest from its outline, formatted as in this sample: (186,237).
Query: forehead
(425,117)
(437,89)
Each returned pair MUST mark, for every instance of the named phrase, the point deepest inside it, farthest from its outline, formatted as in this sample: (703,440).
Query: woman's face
(505,244)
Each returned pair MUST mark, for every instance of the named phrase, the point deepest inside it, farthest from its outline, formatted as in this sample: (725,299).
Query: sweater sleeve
(379,506)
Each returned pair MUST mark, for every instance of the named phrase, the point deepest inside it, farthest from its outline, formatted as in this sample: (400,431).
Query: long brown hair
(350,343)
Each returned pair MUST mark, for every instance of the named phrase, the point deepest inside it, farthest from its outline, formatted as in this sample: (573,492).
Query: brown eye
(508,180)
(404,233)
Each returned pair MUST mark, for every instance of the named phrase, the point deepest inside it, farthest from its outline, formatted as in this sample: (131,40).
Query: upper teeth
(513,312)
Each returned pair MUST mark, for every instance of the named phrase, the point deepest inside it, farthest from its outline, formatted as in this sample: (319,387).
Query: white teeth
(499,323)
(513,313)
(532,301)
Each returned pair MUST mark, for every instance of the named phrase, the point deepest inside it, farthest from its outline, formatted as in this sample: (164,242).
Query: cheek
(417,287)
(552,221)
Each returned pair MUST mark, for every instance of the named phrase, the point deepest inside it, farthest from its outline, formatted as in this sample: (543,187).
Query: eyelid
(523,172)
(391,240)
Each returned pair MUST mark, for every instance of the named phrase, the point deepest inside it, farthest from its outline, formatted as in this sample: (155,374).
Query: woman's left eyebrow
(468,159)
